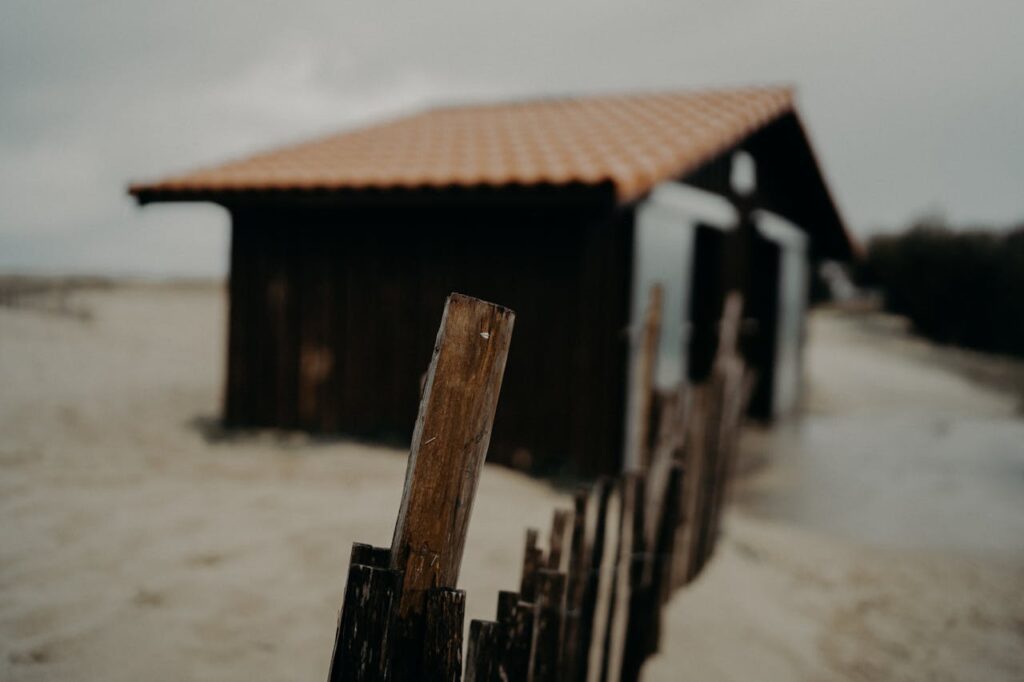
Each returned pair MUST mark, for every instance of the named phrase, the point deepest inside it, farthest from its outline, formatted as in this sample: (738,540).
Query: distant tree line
(964,287)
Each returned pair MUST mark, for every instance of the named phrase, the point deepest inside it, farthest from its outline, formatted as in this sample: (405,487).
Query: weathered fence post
(519,656)
(366,623)
(442,641)
(533,556)
(736,386)
(664,542)
(656,588)
(557,541)
(484,653)
(548,629)
(634,645)
(449,444)
(588,606)
(630,493)
(579,566)
(638,425)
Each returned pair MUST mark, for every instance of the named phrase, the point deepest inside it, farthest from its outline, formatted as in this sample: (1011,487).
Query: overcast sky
(913,107)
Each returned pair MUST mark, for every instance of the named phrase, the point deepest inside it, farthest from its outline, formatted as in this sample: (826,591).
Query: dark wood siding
(760,345)
(334,312)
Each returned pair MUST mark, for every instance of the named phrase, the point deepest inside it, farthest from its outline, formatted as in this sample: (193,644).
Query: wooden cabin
(343,250)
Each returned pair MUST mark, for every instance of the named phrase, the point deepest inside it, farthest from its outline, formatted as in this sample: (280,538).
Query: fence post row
(578,605)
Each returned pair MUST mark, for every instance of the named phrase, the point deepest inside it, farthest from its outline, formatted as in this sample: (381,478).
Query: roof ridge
(588,96)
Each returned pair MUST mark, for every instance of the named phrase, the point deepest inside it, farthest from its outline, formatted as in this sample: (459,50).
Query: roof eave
(602,191)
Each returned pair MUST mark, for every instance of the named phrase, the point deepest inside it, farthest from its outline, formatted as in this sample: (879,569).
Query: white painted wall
(666,228)
(792,308)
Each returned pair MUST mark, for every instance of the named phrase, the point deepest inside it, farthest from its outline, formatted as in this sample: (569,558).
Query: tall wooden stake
(449,444)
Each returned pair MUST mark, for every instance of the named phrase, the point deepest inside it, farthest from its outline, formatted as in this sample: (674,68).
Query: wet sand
(135,546)
(897,446)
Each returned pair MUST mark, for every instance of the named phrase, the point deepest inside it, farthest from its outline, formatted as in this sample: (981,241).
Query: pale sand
(132,547)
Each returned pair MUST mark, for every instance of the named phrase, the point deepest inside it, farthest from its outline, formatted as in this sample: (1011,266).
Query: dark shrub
(964,287)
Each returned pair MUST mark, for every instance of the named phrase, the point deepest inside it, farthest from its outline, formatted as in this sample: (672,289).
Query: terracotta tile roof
(631,141)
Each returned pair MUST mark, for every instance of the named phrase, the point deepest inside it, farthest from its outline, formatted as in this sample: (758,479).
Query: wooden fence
(588,605)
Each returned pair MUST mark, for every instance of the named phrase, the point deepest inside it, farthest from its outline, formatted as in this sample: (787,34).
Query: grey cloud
(914,106)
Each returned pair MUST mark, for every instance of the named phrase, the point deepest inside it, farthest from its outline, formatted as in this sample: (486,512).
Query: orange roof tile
(631,141)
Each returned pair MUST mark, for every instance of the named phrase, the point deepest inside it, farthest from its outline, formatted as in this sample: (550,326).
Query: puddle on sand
(893,451)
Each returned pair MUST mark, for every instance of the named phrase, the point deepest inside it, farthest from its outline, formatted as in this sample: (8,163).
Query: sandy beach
(878,537)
